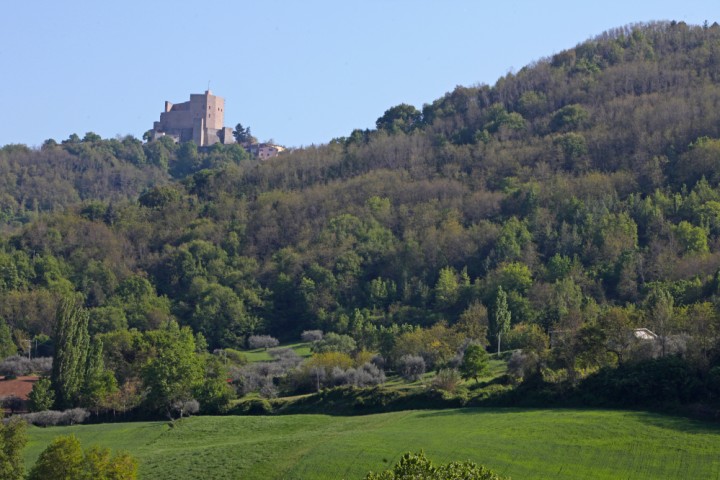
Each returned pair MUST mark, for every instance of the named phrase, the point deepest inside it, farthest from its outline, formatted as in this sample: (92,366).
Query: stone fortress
(200,120)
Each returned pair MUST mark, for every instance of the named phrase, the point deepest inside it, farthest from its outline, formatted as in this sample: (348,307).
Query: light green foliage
(475,363)
(693,239)
(143,308)
(514,239)
(447,287)
(64,459)
(41,397)
(417,466)
(61,460)
(72,343)
(13,437)
(174,371)
(99,383)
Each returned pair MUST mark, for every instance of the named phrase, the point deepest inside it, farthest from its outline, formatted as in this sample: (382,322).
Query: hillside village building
(199,120)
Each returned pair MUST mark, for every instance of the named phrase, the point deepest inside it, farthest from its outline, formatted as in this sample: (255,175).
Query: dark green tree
(501,315)
(7,346)
(72,343)
(243,135)
(399,118)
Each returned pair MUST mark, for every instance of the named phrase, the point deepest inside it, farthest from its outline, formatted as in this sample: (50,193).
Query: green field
(525,444)
(262,355)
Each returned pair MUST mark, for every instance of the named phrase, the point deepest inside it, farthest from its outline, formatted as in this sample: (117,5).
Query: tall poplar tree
(501,315)
(72,343)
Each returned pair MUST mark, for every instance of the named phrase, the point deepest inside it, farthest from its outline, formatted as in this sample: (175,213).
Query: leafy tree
(411,367)
(418,466)
(243,135)
(399,118)
(475,363)
(501,315)
(473,323)
(334,342)
(41,397)
(64,459)
(72,343)
(174,371)
(262,341)
(99,383)
(7,346)
(61,460)
(660,304)
(13,438)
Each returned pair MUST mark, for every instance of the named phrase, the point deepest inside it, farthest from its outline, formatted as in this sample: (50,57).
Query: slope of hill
(522,444)
(585,187)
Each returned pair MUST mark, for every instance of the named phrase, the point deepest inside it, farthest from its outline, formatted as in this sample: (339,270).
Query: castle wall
(200,120)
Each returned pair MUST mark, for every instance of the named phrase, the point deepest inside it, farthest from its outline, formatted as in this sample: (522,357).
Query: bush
(262,341)
(233,356)
(186,407)
(447,379)
(411,367)
(522,364)
(17,366)
(311,335)
(363,376)
(417,465)
(49,418)
(333,342)
(287,358)
(11,403)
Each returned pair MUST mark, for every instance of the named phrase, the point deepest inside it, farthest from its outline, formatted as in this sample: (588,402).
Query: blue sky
(295,72)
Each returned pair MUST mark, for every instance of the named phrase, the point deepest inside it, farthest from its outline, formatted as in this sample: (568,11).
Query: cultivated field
(524,444)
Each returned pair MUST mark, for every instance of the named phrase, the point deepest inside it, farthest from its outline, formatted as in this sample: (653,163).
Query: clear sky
(297,72)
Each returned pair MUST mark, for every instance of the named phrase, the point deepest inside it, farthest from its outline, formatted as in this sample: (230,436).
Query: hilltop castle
(199,120)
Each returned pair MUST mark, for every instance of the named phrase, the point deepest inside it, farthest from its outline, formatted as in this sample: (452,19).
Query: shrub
(231,355)
(287,358)
(411,367)
(262,341)
(74,416)
(333,342)
(447,379)
(522,364)
(366,375)
(417,465)
(17,366)
(186,407)
(11,402)
(48,418)
(311,335)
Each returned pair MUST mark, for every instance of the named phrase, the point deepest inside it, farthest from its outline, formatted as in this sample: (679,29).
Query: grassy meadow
(523,444)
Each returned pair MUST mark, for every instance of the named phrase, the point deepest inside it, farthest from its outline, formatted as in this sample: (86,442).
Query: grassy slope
(526,444)
(261,355)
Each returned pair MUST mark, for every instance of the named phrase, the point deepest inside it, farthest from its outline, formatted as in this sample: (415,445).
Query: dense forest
(567,205)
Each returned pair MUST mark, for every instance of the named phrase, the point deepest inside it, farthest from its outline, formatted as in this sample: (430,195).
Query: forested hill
(585,187)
